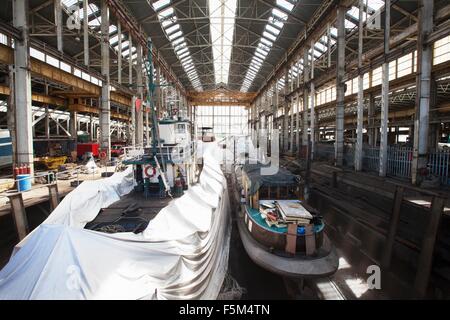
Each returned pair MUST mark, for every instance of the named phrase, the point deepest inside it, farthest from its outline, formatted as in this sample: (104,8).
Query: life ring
(146,171)
(102,155)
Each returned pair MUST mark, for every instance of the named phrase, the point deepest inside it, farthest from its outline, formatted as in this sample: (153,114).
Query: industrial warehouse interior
(225,150)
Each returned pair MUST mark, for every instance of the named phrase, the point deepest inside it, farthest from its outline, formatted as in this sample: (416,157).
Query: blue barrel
(23,182)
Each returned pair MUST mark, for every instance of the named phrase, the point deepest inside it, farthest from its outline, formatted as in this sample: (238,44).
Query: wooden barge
(290,247)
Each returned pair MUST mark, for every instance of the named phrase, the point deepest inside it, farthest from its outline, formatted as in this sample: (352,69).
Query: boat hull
(324,263)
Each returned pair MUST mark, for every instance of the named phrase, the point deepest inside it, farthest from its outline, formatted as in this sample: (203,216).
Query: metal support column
(140,90)
(133,121)
(360,110)
(73,124)
(291,135)
(424,65)
(59,24)
(305,98)
(312,95)
(286,110)
(119,53)
(328,45)
(22,87)
(371,120)
(158,91)
(105,108)
(86,33)
(340,87)
(297,124)
(47,123)
(91,128)
(385,93)
(130,60)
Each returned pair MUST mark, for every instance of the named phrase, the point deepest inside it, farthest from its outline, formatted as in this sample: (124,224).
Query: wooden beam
(36,97)
(88,109)
(427,251)
(57,75)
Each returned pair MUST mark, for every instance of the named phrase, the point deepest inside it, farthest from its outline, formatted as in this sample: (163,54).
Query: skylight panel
(181,56)
(284,4)
(375,4)
(185,60)
(167,22)
(177,41)
(222,20)
(180,46)
(273,30)
(160,4)
(166,13)
(69,3)
(175,35)
(279,14)
(181,51)
(92,8)
(354,12)
(257,60)
(261,51)
(95,22)
(173,28)
(112,29)
(269,36)
(333,31)
(319,46)
(113,39)
(276,22)
(349,24)
(267,42)
(263,47)
(252,67)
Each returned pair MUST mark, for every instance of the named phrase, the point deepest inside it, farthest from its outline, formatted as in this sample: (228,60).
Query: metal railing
(176,154)
(398,162)
(438,165)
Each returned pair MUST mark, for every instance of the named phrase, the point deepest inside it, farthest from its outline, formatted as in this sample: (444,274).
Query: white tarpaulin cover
(182,254)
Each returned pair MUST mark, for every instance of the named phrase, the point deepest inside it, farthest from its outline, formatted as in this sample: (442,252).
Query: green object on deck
(83,138)
(256,217)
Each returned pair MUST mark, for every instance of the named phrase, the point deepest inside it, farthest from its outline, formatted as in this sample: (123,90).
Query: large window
(441,51)
(225,120)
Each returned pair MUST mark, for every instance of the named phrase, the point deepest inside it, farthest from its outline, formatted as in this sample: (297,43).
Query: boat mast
(150,95)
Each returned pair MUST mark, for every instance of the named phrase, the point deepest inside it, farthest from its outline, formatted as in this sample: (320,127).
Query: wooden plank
(310,240)
(426,253)
(19,215)
(387,255)
(53,195)
(291,238)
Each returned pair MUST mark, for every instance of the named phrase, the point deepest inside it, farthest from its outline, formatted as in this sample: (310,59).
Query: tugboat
(279,230)
(161,172)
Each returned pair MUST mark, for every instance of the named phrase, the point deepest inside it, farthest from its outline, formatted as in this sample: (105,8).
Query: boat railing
(179,153)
